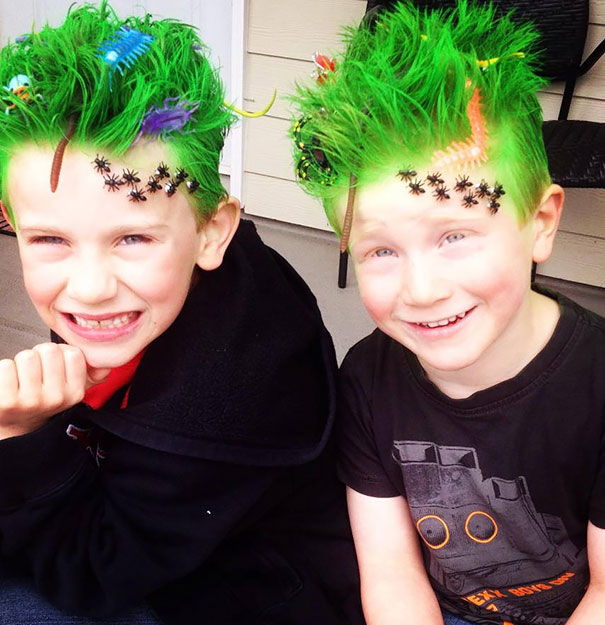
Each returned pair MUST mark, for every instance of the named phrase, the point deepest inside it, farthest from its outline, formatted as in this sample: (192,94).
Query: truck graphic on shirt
(487,533)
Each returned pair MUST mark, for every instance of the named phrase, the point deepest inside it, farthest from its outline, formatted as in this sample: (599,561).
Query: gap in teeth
(94,324)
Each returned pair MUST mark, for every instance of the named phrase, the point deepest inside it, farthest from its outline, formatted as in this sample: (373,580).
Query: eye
(49,240)
(456,236)
(132,239)
(382,252)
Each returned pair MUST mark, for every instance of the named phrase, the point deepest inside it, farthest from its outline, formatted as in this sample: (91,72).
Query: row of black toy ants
(130,178)
(463,185)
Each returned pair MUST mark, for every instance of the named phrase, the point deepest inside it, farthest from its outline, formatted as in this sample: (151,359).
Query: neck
(522,341)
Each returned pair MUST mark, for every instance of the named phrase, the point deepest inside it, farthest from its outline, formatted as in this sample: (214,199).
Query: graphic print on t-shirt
(485,542)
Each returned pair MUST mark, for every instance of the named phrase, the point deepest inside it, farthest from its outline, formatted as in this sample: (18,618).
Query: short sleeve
(597,499)
(359,464)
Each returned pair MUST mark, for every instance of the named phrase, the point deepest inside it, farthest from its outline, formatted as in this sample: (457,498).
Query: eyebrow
(121,229)
(433,218)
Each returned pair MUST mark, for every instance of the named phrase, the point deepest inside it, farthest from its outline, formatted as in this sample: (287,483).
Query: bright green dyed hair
(68,77)
(400,91)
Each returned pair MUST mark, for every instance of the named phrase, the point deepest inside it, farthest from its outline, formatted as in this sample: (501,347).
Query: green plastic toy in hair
(449,87)
(108,83)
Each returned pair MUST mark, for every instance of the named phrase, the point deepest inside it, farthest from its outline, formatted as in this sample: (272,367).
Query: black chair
(5,228)
(575,149)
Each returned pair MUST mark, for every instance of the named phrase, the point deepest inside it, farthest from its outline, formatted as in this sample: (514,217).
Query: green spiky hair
(67,77)
(400,91)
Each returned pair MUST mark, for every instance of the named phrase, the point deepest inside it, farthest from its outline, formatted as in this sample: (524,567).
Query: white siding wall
(282,37)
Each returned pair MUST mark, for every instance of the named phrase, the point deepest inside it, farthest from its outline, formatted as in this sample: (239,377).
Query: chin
(107,360)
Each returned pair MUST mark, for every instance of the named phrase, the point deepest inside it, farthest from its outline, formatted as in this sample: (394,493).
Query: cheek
(165,281)
(501,278)
(42,283)
(378,295)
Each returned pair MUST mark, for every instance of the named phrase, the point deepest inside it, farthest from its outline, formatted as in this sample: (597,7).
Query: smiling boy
(471,424)
(172,446)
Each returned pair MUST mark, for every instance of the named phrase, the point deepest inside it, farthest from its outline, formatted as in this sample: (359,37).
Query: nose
(423,283)
(91,280)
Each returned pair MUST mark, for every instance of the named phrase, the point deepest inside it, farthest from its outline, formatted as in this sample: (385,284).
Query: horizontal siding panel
(588,109)
(296,29)
(597,11)
(577,258)
(265,73)
(584,212)
(282,200)
(267,148)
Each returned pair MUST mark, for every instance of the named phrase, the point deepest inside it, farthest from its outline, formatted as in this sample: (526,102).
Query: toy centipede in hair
(55,169)
(123,48)
(472,151)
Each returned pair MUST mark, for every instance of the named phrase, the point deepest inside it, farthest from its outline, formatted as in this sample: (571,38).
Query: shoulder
(374,358)
(582,334)
(587,321)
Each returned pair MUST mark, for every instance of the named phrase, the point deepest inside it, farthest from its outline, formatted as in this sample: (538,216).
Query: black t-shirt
(500,485)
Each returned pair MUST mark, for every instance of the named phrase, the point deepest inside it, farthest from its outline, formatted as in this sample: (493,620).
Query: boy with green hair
(472,420)
(172,445)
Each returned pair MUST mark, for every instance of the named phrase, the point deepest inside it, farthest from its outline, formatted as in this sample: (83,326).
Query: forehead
(426,195)
(82,185)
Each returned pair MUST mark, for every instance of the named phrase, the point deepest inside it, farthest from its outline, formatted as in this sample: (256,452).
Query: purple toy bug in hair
(171,116)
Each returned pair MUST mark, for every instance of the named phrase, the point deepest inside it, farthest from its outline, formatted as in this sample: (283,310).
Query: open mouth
(107,323)
(442,323)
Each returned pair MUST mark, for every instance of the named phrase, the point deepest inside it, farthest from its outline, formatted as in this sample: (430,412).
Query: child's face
(451,283)
(107,274)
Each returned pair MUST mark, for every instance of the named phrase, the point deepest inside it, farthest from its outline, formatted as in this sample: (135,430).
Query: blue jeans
(450,619)
(20,604)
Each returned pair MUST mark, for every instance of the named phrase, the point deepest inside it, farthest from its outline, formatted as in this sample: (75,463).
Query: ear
(6,216)
(217,232)
(546,222)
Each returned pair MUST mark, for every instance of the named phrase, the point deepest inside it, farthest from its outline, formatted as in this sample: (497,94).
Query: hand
(39,383)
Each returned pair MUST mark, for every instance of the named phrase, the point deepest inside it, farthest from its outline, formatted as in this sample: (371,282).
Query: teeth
(442,322)
(113,322)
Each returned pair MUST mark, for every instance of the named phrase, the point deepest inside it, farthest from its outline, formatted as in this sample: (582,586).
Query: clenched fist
(39,383)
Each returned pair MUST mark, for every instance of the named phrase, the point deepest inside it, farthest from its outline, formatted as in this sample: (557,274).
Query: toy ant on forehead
(462,183)
(162,171)
(441,193)
(434,180)
(130,177)
(170,187)
(416,187)
(101,164)
(468,201)
(153,185)
(112,182)
(136,195)
(482,189)
(406,175)
(180,175)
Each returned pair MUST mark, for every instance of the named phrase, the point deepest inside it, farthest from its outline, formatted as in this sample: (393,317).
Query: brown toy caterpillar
(348,220)
(55,169)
